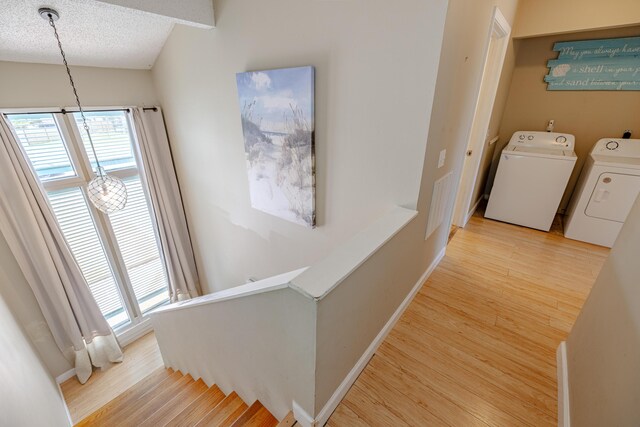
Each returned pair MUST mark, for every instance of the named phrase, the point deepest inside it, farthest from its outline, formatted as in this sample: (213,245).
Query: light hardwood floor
(141,358)
(477,345)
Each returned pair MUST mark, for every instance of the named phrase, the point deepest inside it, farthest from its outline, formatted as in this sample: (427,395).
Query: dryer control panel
(548,140)
(617,147)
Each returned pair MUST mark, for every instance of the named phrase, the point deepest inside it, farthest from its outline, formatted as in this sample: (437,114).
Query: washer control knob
(561,139)
(612,145)
(530,137)
(521,137)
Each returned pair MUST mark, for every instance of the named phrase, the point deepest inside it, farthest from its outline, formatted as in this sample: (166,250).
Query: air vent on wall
(442,190)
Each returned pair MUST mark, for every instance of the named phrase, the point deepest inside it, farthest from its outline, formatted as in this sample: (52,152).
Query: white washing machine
(532,175)
(609,185)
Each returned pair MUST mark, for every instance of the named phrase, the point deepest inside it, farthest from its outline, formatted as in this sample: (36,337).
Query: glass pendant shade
(107,193)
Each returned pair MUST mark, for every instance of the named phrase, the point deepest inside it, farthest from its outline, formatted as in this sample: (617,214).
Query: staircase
(168,398)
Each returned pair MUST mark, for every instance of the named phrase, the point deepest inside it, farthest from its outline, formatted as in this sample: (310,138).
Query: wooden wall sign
(606,64)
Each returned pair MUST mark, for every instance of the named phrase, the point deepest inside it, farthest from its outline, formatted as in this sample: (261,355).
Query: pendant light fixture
(107,193)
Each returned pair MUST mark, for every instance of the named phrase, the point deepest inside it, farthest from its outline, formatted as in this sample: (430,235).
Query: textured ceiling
(92,33)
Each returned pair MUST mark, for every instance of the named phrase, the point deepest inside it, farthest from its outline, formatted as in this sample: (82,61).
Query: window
(118,254)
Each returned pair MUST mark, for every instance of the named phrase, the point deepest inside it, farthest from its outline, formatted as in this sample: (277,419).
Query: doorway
(478,139)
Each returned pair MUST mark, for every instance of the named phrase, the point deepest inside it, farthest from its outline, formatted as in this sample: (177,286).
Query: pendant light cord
(75,92)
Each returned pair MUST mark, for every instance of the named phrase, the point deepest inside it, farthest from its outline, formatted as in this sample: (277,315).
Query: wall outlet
(443,155)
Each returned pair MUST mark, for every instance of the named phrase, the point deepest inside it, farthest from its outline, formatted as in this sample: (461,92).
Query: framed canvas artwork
(277,112)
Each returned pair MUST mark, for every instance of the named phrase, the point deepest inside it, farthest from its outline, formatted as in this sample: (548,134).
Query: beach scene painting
(277,112)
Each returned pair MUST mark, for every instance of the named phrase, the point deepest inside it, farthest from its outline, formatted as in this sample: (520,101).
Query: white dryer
(609,185)
(532,175)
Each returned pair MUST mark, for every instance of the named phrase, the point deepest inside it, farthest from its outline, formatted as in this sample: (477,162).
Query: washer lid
(548,153)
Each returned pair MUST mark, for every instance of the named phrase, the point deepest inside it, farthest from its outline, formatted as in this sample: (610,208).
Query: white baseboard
(65,376)
(66,408)
(302,417)
(473,210)
(564,415)
(307,420)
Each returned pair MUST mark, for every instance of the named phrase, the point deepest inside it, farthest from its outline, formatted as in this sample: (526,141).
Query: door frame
(477,138)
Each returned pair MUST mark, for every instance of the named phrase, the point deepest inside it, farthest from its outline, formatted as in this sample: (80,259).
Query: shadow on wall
(17,293)
(26,384)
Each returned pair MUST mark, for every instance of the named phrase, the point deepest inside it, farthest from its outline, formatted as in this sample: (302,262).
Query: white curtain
(32,232)
(164,191)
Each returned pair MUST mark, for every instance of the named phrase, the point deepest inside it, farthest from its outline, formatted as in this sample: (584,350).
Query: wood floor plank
(130,395)
(231,419)
(419,397)
(381,390)
(287,421)
(141,358)
(343,416)
(491,383)
(225,412)
(246,415)
(198,409)
(175,404)
(477,344)
(368,407)
(255,416)
(128,406)
(135,414)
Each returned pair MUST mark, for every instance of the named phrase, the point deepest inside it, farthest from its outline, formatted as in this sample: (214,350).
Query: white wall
(545,17)
(29,395)
(17,294)
(37,85)
(603,348)
(26,85)
(459,77)
(375,74)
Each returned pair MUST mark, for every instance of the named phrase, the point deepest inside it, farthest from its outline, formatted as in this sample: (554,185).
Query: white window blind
(111,138)
(136,238)
(41,140)
(72,213)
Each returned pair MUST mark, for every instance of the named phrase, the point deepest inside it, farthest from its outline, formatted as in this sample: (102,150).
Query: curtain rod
(64,111)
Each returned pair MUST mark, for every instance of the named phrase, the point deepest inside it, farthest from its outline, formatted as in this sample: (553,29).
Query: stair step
(256,416)
(288,421)
(198,408)
(168,398)
(132,394)
(148,404)
(176,404)
(225,413)
(126,408)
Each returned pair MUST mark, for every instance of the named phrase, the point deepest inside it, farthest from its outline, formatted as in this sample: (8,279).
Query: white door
(496,49)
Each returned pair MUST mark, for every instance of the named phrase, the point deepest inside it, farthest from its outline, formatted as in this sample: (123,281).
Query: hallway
(477,346)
